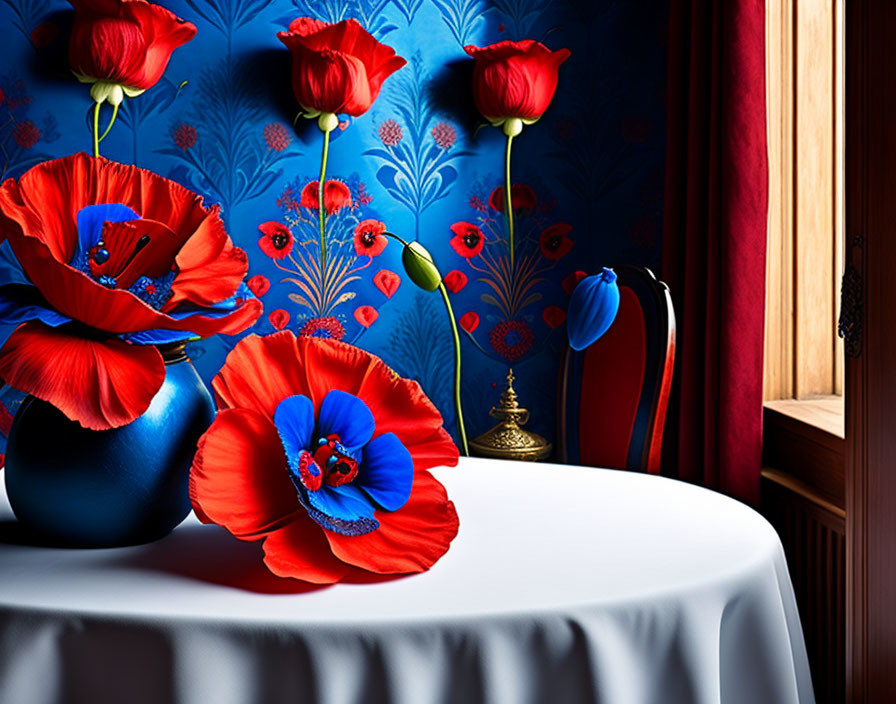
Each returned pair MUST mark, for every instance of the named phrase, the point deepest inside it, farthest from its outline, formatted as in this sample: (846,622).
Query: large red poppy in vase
(102,262)
(322,451)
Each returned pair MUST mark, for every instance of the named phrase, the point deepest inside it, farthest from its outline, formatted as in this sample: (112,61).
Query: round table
(564,584)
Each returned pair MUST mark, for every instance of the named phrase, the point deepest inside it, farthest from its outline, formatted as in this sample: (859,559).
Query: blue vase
(73,486)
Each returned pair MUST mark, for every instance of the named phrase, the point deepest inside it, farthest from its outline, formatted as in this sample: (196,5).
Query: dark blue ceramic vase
(87,488)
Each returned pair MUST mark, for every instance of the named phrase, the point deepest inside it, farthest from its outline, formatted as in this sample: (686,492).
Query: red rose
(514,79)
(468,239)
(369,238)
(259,285)
(469,321)
(553,241)
(337,68)
(276,240)
(521,198)
(336,196)
(455,280)
(123,46)
(135,260)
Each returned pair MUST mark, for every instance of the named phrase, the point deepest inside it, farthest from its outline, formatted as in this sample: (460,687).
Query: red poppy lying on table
(100,263)
(322,451)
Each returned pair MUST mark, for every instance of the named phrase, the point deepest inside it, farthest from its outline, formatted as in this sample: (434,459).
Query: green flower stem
(457,402)
(321,210)
(457,405)
(508,200)
(111,122)
(96,129)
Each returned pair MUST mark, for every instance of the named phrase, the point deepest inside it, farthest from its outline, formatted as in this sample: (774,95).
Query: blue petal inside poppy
(294,418)
(348,417)
(343,509)
(387,473)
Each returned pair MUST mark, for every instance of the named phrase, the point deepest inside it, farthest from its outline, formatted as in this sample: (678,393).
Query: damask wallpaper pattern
(589,174)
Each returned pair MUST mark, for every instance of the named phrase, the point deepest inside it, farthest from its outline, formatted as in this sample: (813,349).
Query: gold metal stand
(507,440)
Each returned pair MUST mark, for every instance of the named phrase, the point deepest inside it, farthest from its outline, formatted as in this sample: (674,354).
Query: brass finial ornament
(507,440)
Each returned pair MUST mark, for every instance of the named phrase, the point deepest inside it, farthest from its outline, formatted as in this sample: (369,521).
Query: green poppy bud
(420,267)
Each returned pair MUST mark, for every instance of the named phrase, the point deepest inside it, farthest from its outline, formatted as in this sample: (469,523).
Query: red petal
(366,315)
(164,32)
(109,48)
(260,372)
(469,321)
(259,285)
(101,384)
(455,280)
(278,318)
(301,551)
(239,477)
(387,282)
(408,540)
(570,281)
(553,316)
(210,267)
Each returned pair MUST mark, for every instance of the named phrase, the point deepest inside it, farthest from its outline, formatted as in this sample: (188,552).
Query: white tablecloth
(564,585)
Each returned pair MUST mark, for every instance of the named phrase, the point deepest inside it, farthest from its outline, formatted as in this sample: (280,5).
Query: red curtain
(714,241)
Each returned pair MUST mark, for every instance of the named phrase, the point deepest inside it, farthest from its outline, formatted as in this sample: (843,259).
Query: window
(804,68)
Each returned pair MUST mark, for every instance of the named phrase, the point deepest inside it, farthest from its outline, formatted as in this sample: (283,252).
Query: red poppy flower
(469,321)
(123,46)
(337,68)
(124,252)
(336,196)
(259,285)
(276,239)
(521,198)
(455,280)
(366,315)
(387,282)
(553,241)
(514,79)
(468,239)
(369,238)
(553,316)
(322,452)
(279,318)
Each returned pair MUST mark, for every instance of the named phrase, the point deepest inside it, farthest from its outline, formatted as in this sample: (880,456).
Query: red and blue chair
(614,394)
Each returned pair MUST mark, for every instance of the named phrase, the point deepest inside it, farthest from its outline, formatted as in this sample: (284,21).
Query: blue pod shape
(592,309)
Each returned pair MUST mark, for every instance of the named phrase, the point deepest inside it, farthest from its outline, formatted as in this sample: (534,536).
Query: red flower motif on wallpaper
(570,281)
(469,321)
(279,318)
(455,280)
(327,327)
(554,316)
(336,196)
(337,68)
(387,282)
(369,238)
(554,242)
(259,285)
(511,339)
(366,315)
(468,239)
(276,239)
(522,197)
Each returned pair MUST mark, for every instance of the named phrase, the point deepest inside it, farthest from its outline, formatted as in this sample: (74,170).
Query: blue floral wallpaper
(590,173)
